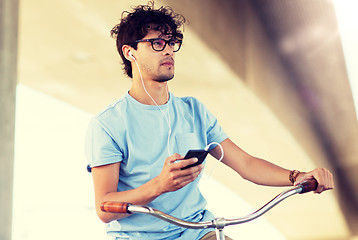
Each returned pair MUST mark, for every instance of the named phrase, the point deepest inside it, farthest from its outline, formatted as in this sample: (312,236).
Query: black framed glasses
(158,44)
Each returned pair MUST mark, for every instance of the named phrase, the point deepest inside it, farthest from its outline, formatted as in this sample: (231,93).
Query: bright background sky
(347,18)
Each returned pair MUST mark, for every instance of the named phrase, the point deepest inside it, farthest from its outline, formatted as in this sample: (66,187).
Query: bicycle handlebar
(308,185)
(115,207)
(218,223)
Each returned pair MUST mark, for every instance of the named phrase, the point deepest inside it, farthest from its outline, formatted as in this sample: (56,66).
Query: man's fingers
(187,162)
(186,179)
(324,178)
(183,163)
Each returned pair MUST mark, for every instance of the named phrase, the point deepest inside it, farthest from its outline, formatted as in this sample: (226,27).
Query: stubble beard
(164,77)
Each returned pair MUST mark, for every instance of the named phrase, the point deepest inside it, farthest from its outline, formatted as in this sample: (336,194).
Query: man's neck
(156,90)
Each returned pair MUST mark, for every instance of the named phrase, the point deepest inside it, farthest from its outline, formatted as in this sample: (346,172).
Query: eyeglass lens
(159,44)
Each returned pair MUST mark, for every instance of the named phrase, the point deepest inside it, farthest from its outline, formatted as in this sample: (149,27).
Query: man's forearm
(251,168)
(142,195)
(263,172)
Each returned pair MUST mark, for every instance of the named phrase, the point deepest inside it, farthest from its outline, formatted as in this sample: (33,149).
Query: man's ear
(128,53)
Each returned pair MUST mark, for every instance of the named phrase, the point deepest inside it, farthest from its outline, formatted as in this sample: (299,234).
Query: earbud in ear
(131,55)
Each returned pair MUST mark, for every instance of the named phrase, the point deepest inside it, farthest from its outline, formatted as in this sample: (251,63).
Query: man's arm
(172,178)
(263,172)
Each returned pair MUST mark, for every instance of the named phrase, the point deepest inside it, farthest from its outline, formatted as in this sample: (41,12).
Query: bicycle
(218,223)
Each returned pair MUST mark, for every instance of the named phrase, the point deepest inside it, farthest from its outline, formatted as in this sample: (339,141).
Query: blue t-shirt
(137,136)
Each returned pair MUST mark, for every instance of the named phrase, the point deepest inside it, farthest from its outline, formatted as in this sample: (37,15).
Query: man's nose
(168,50)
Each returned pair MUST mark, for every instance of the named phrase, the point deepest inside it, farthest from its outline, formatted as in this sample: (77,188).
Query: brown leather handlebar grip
(115,207)
(308,185)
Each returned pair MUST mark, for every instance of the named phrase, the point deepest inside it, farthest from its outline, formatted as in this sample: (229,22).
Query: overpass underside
(287,54)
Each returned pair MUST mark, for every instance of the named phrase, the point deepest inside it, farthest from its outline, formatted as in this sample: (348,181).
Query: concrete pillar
(8,75)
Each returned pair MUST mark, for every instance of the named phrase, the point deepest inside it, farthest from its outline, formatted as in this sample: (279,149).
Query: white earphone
(131,55)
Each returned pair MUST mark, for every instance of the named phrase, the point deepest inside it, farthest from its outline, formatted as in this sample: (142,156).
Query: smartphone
(200,154)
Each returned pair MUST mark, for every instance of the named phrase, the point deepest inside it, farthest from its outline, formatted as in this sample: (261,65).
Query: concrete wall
(8,59)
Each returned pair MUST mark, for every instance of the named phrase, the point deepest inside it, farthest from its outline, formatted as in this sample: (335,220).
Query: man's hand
(172,178)
(323,177)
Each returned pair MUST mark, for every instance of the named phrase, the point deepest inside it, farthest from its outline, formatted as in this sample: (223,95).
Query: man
(136,146)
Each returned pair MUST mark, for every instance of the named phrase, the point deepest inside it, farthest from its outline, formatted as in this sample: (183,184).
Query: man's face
(155,65)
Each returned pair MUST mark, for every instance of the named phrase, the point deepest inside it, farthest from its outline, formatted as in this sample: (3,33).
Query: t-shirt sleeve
(214,132)
(100,147)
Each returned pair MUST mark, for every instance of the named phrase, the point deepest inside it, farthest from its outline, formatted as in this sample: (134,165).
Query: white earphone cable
(219,160)
(166,118)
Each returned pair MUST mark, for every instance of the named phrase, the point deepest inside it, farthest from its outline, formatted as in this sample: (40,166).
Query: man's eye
(158,42)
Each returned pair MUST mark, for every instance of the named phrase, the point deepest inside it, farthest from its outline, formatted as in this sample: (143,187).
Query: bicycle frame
(218,223)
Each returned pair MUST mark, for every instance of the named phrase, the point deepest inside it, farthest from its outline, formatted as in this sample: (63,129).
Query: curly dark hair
(135,25)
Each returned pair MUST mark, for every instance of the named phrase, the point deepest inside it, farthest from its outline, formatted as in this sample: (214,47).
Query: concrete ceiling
(306,36)
(258,65)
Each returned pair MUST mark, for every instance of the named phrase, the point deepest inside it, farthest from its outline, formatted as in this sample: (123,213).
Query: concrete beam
(8,76)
